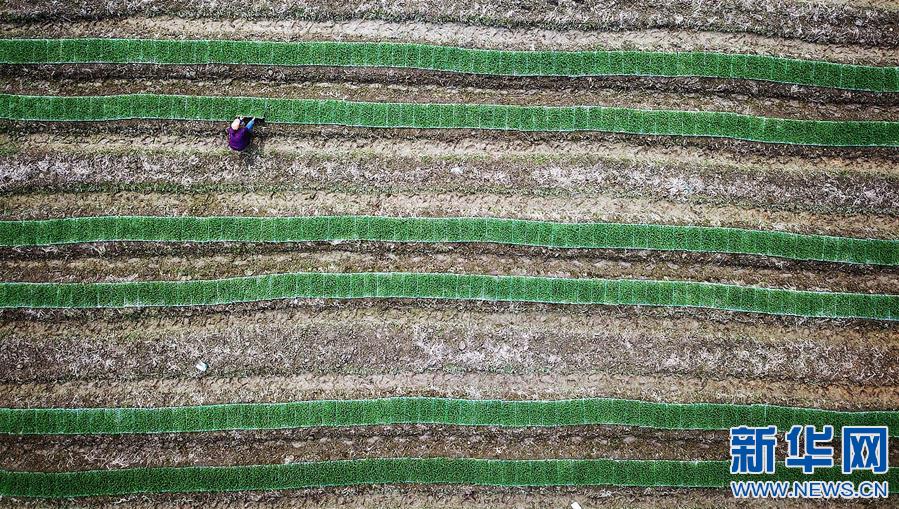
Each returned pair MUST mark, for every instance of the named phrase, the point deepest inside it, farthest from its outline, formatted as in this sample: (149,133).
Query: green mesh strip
(549,472)
(453,116)
(451,59)
(449,286)
(462,229)
(419,410)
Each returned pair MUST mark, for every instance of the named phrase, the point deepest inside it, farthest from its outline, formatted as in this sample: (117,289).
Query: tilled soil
(656,100)
(864,22)
(193,134)
(666,388)
(738,91)
(59,453)
(385,339)
(66,160)
(464,260)
(456,496)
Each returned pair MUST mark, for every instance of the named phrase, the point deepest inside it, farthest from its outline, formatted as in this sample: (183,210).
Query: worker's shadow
(253,152)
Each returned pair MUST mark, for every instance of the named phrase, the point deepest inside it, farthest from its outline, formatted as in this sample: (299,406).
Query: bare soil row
(183,136)
(387,338)
(665,388)
(735,90)
(154,160)
(443,497)
(59,453)
(862,22)
(470,259)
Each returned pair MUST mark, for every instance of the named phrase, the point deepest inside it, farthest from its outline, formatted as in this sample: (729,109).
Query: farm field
(479,254)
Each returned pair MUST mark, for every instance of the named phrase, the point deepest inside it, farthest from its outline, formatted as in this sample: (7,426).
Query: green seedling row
(453,59)
(456,229)
(449,286)
(422,410)
(452,116)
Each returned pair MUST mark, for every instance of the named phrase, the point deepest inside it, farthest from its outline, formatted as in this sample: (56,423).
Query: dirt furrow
(59,453)
(772,26)
(462,259)
(550,208)
(152,160)
(388,92)
(442,497)
(385,339)
(622,257)
(667,388)
(193,135)
(732,89)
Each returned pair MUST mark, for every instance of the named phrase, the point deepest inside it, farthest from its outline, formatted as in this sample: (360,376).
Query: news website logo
(753,451)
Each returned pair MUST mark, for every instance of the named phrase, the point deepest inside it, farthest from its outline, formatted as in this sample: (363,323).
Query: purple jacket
(239,139)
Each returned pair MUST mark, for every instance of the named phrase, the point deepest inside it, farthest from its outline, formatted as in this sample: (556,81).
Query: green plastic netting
(453,116)
(454,229)
(421,410)
(449,286)
(451,59)
(547,472)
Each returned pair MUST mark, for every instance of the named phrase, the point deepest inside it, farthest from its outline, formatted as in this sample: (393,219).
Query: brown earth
(59,453)
(867,22)
(667,388)
(62,161)
(70,452)
(463,259)
(390,339)
(197,133)
(469,497)
(456,34)
(739,91)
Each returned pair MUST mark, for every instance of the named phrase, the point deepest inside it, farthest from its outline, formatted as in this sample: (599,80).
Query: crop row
(456,229)
(484,472)
(452,59)
(449,286)
(453,116)
(420,410)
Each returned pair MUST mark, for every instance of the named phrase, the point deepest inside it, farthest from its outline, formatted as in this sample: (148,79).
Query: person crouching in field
(239,134)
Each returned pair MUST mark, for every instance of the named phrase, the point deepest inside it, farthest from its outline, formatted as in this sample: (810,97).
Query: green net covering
(453,116)
(456,229)
(451,59)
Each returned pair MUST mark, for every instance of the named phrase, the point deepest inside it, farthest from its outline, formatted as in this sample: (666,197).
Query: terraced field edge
(452,116)
(407,285)
(453,59)
(433,411)
(24,233)
(484,472)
